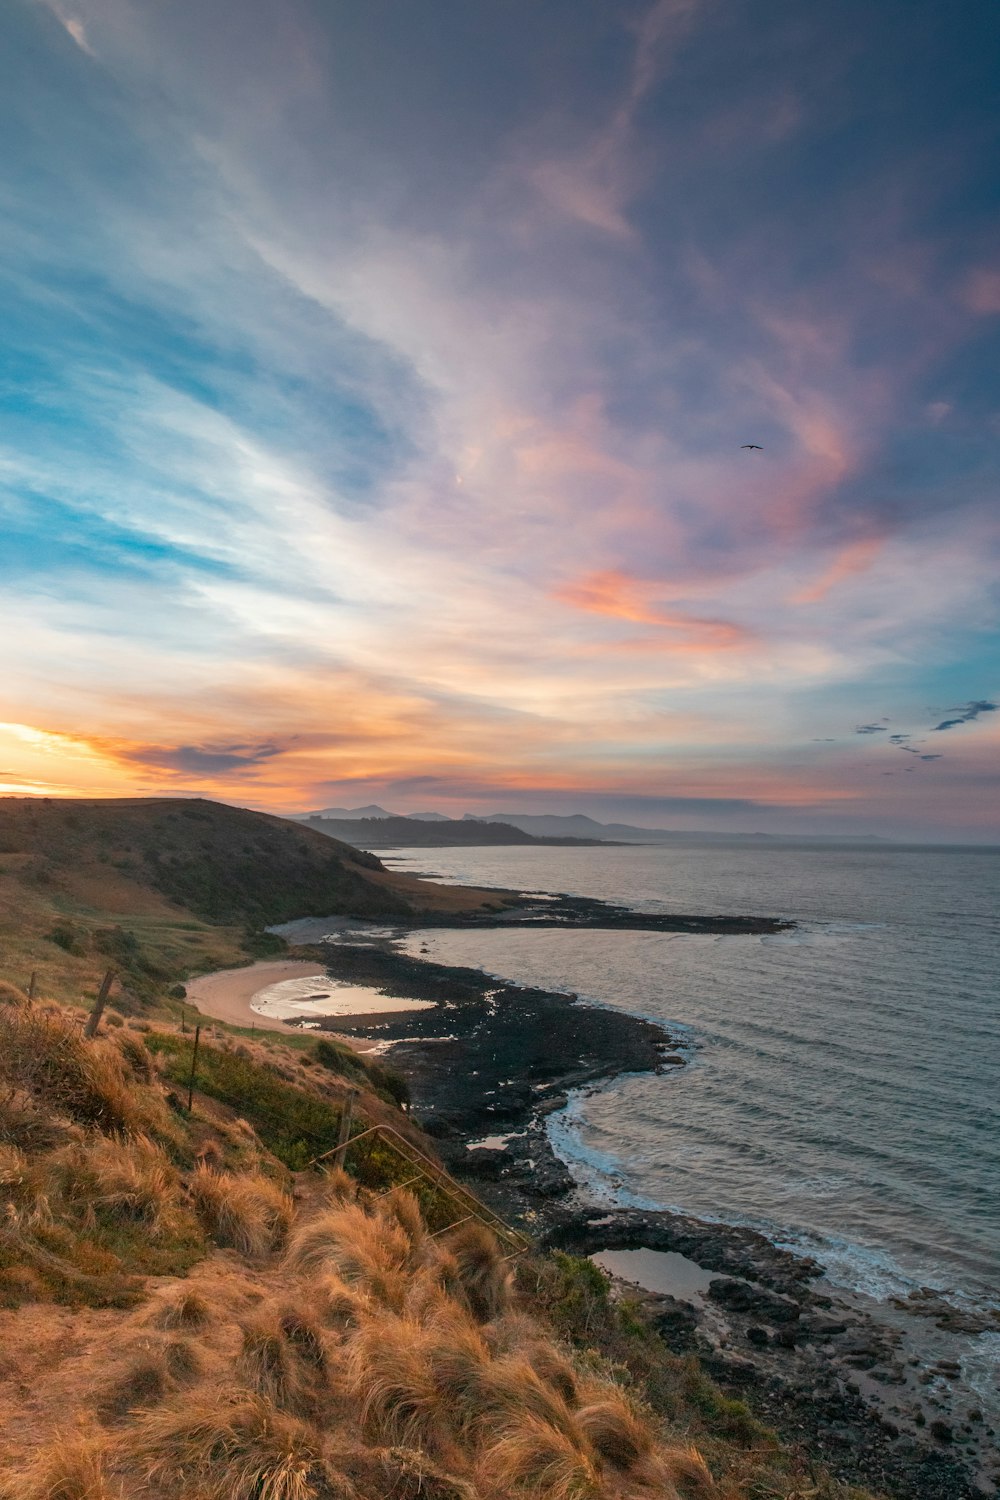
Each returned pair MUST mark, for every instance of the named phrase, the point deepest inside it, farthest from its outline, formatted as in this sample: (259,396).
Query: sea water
(843,1088)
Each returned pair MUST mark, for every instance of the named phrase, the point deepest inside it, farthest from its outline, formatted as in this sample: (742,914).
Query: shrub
(389,1084)
(70,938)
(339,1059)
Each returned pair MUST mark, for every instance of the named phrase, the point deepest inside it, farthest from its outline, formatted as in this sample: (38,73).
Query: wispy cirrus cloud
(401,387)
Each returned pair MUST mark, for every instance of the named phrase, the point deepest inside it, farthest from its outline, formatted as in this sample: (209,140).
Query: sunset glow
(375,392)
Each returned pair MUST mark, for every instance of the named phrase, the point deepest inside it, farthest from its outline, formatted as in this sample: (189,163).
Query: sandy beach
(226,995)
(229,994)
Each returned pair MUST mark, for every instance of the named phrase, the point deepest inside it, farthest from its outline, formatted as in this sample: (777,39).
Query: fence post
(346,1118)
(194,1064)
(31,984)
(94,1019)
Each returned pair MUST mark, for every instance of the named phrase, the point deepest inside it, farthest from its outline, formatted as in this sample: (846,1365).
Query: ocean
(841,1092)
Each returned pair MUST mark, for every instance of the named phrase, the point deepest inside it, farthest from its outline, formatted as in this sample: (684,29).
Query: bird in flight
(758,446)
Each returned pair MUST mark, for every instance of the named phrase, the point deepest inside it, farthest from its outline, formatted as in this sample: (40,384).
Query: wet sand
(226,994)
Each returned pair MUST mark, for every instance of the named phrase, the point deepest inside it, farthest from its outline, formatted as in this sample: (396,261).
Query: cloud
(870,729)
(206,761)
(968,714)
(72,24)
(856,557)
(621,597)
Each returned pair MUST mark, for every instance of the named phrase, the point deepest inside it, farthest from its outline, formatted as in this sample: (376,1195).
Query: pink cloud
(622,597)
(856,557)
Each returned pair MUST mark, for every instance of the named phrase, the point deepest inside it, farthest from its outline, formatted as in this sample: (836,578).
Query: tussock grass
(357,1246)
(11,995)
(616,1432)
(128,1180)
(137,1057)
(183,1361)
(142,1383)
(46,1057)
(536,1459)
(187,1310)
(227,1447)
(23,1124)
(390,1376)
(247,1212)
(70,1467)
(482,1274)
(283,1360)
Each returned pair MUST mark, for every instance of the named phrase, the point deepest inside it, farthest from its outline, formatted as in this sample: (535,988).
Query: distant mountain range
(388,832)
(574,827)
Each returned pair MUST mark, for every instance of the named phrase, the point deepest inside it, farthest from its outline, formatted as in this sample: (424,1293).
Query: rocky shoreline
(486,1067)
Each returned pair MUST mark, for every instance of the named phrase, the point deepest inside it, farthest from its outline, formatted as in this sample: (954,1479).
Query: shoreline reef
(488,1064)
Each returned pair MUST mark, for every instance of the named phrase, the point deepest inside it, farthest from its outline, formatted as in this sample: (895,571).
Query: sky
(374,386)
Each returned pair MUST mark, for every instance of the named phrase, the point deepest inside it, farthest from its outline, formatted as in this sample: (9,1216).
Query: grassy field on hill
(161,888)
(188,1314)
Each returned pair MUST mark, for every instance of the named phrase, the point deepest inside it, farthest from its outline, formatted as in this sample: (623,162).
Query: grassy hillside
(187,1313)
(160,888)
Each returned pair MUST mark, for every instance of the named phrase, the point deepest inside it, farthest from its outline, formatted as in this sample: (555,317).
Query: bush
(339,1059)
(70,938)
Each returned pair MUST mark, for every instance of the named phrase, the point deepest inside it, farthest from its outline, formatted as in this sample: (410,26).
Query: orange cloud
(622,597)
(857,557)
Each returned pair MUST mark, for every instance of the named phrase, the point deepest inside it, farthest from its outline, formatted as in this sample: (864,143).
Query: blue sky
(373,388)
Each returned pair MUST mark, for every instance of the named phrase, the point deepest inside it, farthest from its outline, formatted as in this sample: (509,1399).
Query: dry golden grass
(357,1246)
(283,1360)
(11,995)
(226,1446)
(616,1431)
(483,1274)
(187,1310)
(535,1459)
(70,1467)
(44,1056)
(130,1179)
(247,1212)
(371,1361)
(141,1383)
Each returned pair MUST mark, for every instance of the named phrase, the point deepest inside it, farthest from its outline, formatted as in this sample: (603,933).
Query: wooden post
(346,1117)
(183,1020)
(31,984)
(194,1064)
(94,1019)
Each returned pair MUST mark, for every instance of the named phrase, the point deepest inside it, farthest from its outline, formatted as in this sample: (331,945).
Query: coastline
(492,1061)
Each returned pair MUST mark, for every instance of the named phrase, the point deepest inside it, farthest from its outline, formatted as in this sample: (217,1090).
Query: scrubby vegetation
(191,1316)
